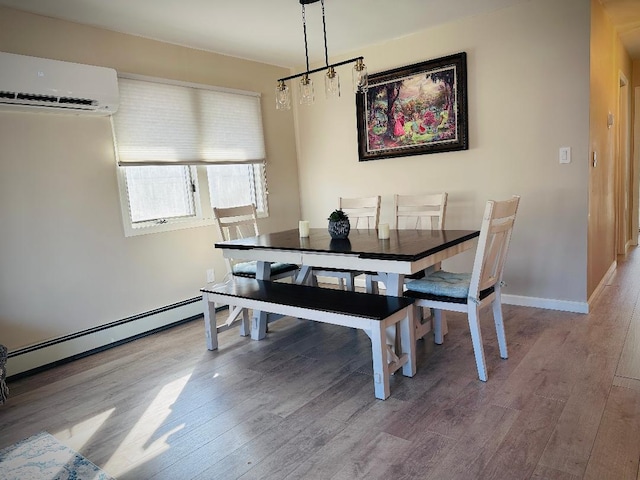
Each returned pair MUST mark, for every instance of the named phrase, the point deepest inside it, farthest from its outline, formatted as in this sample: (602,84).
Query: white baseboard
(546,303)
(52,351)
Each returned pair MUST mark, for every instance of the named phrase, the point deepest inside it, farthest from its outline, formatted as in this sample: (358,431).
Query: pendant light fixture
(331,78)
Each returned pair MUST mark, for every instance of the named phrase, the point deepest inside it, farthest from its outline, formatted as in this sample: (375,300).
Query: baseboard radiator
(41,356)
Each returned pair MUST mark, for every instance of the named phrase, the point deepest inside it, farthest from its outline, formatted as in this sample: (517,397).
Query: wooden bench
(371,313)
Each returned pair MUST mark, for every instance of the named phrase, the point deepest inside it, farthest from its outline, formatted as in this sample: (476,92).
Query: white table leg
(394,284)
(259,325)
(305,276)
(263,270)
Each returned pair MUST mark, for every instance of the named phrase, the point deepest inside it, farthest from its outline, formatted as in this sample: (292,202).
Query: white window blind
(165,124)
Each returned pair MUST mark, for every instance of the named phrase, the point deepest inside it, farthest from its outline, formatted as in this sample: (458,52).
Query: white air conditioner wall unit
(52,85)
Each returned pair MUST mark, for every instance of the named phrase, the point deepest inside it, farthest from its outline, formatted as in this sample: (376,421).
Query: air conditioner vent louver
(31,83)
(78,101)
(36,98)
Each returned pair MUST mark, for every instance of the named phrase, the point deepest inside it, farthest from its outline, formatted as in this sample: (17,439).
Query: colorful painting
(414,110)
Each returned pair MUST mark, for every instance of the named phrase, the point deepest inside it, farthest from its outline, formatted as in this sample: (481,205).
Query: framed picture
(413,110)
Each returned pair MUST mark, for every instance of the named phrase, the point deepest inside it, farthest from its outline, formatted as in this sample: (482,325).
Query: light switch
(565,154)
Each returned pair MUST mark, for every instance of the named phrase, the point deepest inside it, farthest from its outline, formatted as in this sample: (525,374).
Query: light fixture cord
(304,28)
(324,30)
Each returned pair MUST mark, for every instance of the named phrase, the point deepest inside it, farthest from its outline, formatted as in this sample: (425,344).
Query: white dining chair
(241,222)
(363,213)
(470,292)
(418,212)
(421,211)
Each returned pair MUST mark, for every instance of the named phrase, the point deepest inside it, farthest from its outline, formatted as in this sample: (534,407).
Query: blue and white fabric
(249,268)
(43,457)
(442,283)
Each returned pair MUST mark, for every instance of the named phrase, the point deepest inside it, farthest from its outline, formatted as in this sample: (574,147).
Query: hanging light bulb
(331,80)
(283,96)
(332,83)
(360,77)
(307,95)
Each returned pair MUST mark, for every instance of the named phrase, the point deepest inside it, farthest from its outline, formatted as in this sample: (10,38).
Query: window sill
(170,226)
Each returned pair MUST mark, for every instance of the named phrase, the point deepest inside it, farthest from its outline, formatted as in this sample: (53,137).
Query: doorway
(626,217)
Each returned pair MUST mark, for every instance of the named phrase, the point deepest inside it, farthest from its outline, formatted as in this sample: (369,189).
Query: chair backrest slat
(425,211)
(236,222)
(363,212)
(493,244)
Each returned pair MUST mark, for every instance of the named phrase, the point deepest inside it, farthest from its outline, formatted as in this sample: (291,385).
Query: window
(231,185)
(181,152)
(159,193)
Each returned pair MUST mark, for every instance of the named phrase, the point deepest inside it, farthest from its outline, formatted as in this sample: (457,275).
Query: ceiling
(625,15)
(271,31)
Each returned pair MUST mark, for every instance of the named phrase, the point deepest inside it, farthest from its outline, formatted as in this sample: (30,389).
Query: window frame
(202,203)
(203,215)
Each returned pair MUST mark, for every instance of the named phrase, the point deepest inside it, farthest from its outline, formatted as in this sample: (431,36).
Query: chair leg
(351,282)
(499,321)
(438,333)
(476,340)
(371,286)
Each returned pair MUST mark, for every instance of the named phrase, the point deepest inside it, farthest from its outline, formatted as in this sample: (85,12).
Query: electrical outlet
(211,275)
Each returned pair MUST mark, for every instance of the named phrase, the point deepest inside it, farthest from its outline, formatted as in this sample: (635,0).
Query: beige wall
(528,80)
(65,264)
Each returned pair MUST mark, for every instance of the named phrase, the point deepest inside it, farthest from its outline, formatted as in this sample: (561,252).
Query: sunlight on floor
(77,436)
(135,446)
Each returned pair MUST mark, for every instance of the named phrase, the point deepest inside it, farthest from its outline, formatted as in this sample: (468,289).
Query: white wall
(528,84)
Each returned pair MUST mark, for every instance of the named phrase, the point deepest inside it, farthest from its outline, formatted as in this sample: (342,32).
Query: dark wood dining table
(403,253)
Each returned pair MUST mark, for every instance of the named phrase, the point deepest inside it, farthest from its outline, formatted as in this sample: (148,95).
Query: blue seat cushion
(442,284)
(248,269)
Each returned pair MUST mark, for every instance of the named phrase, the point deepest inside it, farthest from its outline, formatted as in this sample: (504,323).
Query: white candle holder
(303,228)
(383,231)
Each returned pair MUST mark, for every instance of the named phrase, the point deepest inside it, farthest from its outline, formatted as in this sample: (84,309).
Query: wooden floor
(300,404)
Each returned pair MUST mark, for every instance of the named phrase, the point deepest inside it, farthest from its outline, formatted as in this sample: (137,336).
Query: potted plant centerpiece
(339,225)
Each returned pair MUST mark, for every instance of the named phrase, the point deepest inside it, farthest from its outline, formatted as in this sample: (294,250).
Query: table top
(406,245)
